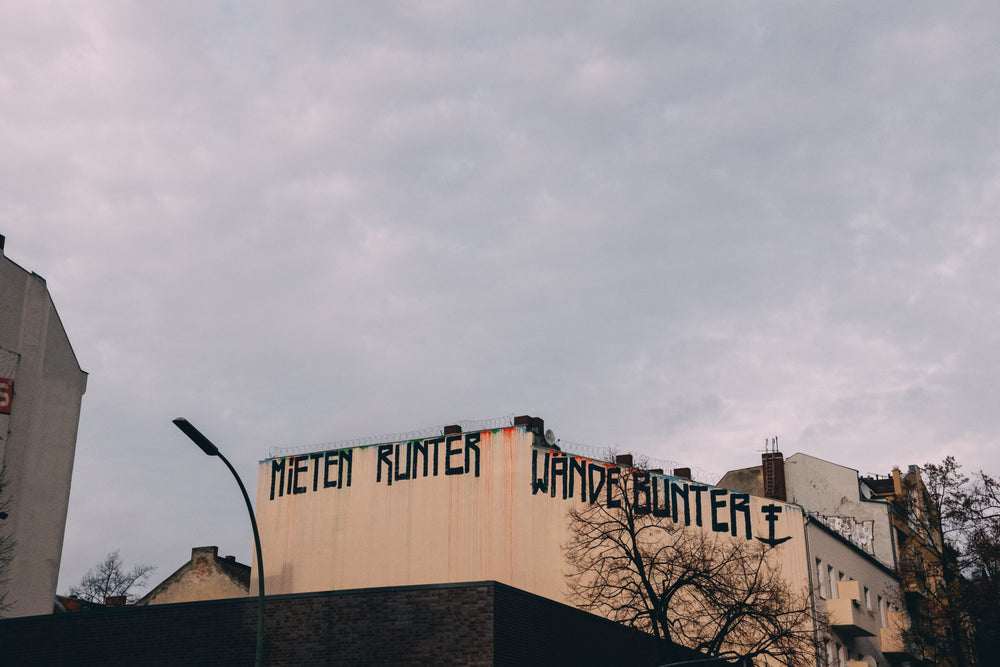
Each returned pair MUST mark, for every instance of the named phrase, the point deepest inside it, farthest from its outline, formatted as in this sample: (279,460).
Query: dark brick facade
(482,623)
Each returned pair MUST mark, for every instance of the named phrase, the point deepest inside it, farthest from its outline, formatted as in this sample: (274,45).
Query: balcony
(847,613)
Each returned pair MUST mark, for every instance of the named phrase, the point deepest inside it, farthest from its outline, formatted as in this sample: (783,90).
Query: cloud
(674,229)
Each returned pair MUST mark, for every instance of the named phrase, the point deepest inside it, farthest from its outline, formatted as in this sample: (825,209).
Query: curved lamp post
(206,446)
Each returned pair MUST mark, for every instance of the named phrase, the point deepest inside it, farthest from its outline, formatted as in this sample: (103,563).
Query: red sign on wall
(6,395)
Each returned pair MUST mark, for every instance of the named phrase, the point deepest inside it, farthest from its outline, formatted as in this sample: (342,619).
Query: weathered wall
(832,492)
(39,434)
(494,507)
(204,577)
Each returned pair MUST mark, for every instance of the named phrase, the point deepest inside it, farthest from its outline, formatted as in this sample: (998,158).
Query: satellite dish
(550,437)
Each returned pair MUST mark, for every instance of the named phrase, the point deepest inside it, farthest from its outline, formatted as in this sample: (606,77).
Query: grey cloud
(679,229)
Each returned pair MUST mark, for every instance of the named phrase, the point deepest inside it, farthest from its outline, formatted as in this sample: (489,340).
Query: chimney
(773,469)
(682,473)
(453,429)
(535,425)
(624,460)
(114,601)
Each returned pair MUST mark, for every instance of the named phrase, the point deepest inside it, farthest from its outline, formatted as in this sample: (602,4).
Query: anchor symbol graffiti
(772,511)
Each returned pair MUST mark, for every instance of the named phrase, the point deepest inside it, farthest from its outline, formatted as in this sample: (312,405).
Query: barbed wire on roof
(489,423)
(416,434)
(402,436)
(648,462)
(607,453)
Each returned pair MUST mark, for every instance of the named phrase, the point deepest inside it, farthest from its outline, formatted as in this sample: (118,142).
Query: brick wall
(483,623)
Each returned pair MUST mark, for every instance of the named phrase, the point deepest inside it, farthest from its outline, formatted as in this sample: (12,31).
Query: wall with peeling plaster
(832,493)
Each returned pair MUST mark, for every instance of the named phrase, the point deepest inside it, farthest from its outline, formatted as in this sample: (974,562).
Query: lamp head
(190,431)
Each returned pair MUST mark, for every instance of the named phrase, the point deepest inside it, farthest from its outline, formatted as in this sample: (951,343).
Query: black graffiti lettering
(419,453)
(717,502)
(346,455)
(539,483)
(558,470)
(740,502)
(471,445)
(315,466)
(384,457)
(406,472)
(595,490)
(330,459)
(578,466)
(412,460)
(640,487)
(612,477)
(661,512)
(295,482)
(680,491)
(697,489)
(649,493)
(301,466)
(278,466)
(771,513)
(437,443)
(448,453)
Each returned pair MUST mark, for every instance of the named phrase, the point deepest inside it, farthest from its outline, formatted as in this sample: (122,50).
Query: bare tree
(950,562)
(981,560)
(110,579)
(7,542)
(722,596)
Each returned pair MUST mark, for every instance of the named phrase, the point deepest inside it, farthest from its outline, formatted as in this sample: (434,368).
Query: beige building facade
(41,389)
(494,505)
(474,506)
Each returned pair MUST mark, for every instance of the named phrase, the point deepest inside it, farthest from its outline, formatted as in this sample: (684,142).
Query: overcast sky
(672,228)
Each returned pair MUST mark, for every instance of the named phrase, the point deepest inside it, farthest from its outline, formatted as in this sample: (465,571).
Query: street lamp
(206,446)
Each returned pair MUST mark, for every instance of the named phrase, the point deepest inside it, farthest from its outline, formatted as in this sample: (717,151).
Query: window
(868,598)
(833,582)
(823,580)
(882,612)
